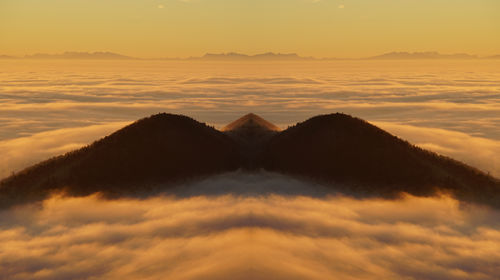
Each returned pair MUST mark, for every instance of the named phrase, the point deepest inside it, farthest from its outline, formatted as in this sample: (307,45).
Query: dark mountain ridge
(337,150)
(161,149)
(252,133)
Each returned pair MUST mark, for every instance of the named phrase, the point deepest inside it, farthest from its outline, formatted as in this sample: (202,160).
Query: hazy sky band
(342,28)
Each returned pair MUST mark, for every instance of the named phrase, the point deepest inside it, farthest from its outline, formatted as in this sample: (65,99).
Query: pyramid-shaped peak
(251,121)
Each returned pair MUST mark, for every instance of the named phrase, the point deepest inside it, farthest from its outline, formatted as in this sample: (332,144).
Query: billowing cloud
(479,152)
(441,95)
(21,152)
(250,237)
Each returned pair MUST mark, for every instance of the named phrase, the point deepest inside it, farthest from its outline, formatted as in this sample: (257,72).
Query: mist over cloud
(250,236)
(21,152)
(479,152)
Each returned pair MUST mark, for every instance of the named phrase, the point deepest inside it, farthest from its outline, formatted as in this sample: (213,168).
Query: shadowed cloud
(248,237)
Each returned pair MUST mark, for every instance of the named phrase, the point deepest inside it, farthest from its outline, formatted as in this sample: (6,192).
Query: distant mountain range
(80,55)
(423,55)
(262,56)
(165,150)
(73,55)
(115,56)
(8,57)
(233,56)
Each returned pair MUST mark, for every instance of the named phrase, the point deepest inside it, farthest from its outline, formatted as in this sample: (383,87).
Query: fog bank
(270,236)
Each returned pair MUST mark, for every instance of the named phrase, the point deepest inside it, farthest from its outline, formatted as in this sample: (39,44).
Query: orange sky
(323,28)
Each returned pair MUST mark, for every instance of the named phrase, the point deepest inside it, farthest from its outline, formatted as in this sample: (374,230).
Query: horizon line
(232,55)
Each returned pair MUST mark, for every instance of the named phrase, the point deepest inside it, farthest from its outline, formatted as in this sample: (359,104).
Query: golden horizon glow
(320,28)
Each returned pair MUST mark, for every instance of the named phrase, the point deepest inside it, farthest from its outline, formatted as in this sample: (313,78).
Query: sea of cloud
(50,107)
(232,233)
(249,226)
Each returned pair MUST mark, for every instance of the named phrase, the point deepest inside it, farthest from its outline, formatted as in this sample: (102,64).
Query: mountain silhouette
(252,133)
(234,56)
(337,150)
(261,56)
(161,149)
(81,55)
(7,57)
(422,55)
(369,161)
(250,128)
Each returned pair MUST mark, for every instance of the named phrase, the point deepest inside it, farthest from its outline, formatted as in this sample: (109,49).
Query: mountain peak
(80,55)
(260,56)
(251,121)
(423,55)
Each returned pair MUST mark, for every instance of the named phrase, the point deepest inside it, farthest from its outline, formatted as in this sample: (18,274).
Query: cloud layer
(38,96)
(41,96)
(250,237)
(21,152)
(479,152)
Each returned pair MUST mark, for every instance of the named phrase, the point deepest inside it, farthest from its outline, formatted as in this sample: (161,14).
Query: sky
(182,28)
